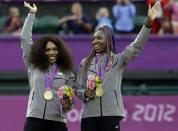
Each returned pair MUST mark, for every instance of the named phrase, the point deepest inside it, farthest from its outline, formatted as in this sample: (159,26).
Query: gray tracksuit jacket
(36,103)
(111,103)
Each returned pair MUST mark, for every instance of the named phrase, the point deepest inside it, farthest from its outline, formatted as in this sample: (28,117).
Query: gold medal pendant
(99,89)
(48,95)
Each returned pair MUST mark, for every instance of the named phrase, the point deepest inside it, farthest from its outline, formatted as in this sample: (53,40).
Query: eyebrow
(51,48)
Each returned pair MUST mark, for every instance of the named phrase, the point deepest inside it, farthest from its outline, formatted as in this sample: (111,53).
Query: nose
(51,52)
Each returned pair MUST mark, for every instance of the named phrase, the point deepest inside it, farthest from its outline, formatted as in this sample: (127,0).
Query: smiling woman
(98,42)
(49,65)
(100,76)
(51,52)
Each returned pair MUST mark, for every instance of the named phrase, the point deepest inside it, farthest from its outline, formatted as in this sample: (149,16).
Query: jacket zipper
(101,110)
(44,109)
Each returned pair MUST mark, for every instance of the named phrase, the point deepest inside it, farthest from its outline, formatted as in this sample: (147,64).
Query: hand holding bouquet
(94,87)
(66,94)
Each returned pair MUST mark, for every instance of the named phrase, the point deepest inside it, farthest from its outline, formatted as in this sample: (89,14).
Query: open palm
(153,11)
(31,8)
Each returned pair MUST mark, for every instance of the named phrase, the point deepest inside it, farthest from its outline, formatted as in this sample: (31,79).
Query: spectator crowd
(122,18)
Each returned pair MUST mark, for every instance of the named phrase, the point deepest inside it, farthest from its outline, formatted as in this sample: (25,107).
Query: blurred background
(150,82)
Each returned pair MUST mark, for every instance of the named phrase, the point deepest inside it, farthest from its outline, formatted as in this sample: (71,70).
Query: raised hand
(32,9)
(153,11)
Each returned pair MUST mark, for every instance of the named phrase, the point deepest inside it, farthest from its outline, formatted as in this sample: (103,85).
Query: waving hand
(32,9)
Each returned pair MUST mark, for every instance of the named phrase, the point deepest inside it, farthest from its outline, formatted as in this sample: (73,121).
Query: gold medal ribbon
(48,94)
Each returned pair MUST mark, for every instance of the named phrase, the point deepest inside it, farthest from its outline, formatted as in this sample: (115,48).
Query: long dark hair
(110,47)
(39,59)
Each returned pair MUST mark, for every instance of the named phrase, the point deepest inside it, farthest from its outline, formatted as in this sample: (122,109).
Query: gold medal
(99,91)
(99,88)
(48,95)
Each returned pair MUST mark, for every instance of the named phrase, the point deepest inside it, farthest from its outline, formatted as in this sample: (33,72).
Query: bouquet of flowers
(66,93)
(95,83)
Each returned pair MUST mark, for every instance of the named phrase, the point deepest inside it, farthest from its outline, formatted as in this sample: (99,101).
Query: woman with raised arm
(100,75)
(49,65)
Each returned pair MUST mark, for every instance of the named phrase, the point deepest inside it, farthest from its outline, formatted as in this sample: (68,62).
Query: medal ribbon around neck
(49,77)
(48,95)
(99,70)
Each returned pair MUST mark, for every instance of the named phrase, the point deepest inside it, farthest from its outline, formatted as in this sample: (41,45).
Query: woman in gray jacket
(100,75)
(49,65)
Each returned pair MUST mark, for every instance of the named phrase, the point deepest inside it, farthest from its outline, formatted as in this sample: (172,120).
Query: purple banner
(144,113)
(151,113)
(160,53)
